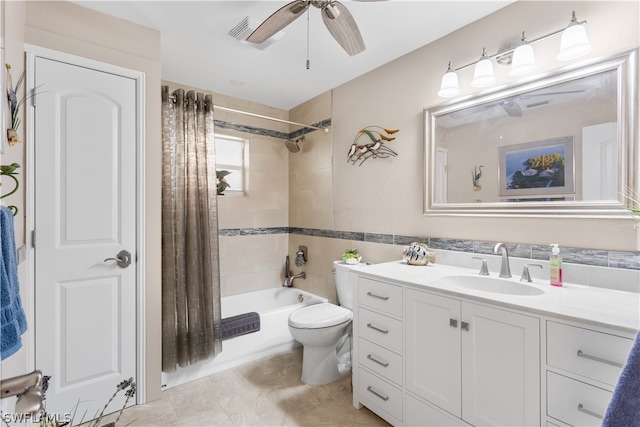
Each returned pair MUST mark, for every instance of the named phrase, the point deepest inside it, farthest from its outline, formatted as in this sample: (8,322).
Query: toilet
(324,331)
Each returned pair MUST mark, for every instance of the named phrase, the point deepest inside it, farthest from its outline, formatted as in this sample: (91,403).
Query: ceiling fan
(335,15)
(510,106)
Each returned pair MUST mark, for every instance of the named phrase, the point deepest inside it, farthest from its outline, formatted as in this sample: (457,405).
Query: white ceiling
(197,50)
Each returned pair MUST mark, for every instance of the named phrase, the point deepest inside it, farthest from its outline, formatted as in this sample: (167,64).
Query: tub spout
(288,281)
(289,276)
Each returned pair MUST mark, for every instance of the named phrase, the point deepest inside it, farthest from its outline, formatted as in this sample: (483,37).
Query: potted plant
(633,198)
(221,183)
(351,256)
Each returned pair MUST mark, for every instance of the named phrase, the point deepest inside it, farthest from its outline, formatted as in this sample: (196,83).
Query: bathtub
(274,306)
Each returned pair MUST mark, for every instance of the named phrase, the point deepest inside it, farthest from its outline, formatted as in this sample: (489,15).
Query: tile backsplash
(591,257)
(591,267)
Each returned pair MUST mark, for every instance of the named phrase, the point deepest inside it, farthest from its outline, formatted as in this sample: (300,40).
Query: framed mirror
(563,144)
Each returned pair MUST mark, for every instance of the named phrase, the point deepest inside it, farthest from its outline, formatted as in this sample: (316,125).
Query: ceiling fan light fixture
(331,11)
(298,7)
(449,85)
(574,41)
(483,72)
(523,61)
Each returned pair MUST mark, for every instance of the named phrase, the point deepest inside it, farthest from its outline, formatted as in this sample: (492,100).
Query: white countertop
(588,304)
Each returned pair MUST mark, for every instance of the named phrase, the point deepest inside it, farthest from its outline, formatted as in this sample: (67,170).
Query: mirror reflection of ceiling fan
(335,15)
(511,107)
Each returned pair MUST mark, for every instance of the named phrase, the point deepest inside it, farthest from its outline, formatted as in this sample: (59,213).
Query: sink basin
(491,284)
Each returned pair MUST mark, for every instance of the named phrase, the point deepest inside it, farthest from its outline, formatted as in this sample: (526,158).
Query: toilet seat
(321,315)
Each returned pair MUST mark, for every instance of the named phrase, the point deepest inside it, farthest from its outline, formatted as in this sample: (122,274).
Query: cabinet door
(500,367)
(433,349)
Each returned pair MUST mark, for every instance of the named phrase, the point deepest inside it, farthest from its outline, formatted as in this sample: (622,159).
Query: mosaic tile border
(594,257)
(220,124)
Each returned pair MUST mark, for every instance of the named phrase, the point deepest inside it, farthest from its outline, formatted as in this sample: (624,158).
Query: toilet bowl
(324,330)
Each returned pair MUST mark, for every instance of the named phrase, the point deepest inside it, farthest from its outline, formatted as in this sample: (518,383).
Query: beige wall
(310,197)
(310,169)
(395,94)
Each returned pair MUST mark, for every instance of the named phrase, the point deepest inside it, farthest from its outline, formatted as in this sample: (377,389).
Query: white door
(500,367)
(440,175)
(600,162)
(85,212)
(433,349)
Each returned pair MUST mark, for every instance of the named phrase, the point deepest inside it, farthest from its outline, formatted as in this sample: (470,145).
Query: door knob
(123,259)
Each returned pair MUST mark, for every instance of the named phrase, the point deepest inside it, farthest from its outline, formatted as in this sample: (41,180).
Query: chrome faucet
(289,276)
(505,271)
(526,275)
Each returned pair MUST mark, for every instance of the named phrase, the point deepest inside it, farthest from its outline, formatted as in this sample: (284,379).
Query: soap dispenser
(555,266)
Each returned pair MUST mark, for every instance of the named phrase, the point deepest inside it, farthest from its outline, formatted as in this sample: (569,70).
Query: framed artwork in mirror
(538,169)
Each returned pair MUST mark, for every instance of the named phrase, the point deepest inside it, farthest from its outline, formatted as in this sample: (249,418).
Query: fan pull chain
(308,61)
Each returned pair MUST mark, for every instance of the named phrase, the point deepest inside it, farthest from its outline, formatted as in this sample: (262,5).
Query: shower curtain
(190,257)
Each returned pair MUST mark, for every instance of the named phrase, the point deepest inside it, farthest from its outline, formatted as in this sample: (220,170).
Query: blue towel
(624,408)
(13,322)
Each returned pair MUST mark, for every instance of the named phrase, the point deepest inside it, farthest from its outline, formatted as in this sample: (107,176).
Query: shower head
(292,145)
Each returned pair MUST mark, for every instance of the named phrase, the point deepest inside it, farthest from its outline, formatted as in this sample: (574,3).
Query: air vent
(244,29)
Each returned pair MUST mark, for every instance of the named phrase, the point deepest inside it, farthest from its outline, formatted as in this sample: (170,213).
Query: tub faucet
(505,271)
(289,276)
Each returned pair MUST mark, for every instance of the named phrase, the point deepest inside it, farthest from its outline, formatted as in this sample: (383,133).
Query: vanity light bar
(574,43)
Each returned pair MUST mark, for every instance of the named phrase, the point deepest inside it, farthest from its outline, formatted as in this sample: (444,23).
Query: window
(230,156)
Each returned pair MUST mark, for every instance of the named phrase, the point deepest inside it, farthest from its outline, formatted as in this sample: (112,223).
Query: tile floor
(267,392)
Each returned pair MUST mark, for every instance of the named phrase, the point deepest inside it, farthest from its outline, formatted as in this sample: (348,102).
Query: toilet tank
(344,287)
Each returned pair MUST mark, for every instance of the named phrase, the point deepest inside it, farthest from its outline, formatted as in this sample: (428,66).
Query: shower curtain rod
(260,116)
(246,113)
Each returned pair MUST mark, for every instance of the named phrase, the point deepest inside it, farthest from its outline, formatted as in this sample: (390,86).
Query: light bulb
(449,86)
(574,42)
(523,59)
(483,72)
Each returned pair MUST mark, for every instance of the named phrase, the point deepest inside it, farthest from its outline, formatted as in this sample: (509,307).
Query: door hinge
(33,238)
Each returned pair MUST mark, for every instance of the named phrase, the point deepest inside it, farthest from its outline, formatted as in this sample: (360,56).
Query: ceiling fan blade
(563,92)
(278,20)
(343,28)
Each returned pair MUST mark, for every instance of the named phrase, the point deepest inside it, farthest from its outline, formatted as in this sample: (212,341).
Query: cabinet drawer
(575,402)
(380,360)
(380,393)
(592,354)
(380,296)
(380,329)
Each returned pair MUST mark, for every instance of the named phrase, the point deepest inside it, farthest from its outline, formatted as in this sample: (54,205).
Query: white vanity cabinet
(582,369)
(477,362)
(427,359)
(429,354)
